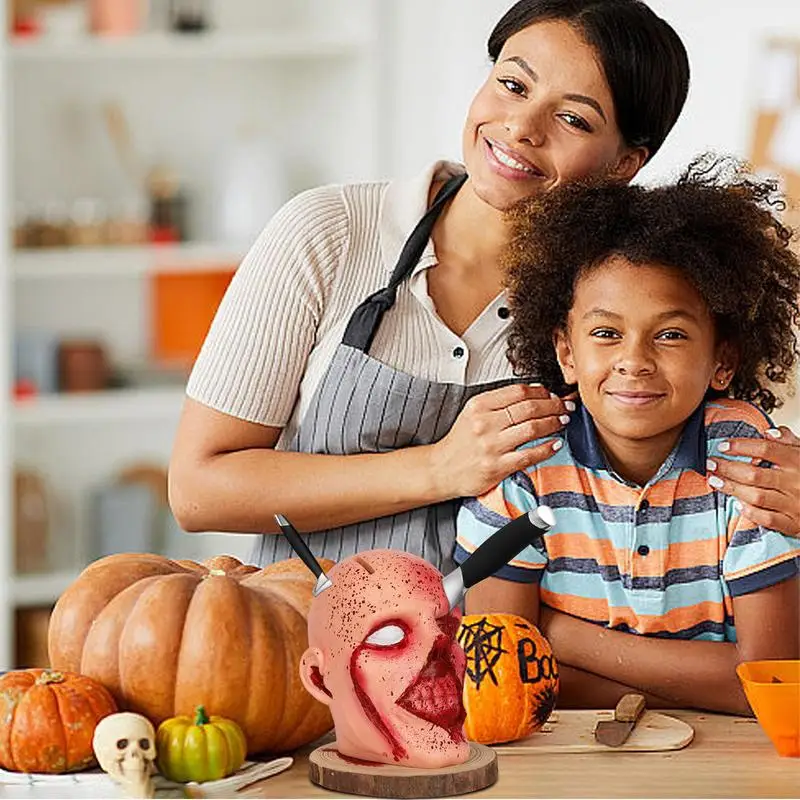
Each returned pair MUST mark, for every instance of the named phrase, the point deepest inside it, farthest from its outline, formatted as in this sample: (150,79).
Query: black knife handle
(298,545)
(502,546)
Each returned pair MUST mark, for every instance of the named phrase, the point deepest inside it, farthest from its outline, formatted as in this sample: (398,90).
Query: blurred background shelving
(142,158)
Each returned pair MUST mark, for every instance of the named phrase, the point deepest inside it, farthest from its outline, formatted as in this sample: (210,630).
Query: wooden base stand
(328,769)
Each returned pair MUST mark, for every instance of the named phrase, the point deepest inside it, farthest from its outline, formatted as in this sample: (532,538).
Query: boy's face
(641,345)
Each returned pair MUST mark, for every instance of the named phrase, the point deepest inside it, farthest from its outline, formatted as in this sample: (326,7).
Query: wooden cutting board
(328,769)
(573,732)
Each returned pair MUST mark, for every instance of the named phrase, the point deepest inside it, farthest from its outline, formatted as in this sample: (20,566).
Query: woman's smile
(509,163)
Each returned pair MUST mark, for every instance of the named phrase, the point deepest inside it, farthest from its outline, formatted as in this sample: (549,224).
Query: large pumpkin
(511,682)
(167,636)
(47,720)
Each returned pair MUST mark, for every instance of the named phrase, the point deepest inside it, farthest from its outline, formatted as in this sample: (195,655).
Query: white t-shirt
(288,304)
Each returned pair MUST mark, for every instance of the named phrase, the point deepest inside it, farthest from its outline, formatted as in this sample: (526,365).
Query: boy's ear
(564,355)
(727,362)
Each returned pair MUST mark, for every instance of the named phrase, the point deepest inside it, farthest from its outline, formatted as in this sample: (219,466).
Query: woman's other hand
(480,449)
(769,497)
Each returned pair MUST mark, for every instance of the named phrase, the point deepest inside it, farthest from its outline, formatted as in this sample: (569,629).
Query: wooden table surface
(729,757)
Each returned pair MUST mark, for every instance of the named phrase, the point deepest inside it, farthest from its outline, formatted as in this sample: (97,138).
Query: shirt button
(643,550)
(458,352)
(503,312)
(644,505)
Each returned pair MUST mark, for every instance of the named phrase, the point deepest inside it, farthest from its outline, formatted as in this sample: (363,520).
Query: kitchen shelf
(92,408)
(269,45)
(110,262)
(40,589)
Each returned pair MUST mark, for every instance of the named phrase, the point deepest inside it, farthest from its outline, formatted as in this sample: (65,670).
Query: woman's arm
(769,496)
(226,475)
(697,674)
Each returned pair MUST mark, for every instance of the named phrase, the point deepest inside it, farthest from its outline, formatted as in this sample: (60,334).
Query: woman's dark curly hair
(714,224)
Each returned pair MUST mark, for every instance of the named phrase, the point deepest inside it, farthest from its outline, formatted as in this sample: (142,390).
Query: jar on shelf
(188,16)
(52,231)
(87,226)
(127,223)
(83,366)
(117,17)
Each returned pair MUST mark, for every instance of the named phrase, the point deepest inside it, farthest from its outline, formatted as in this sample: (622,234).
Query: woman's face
(544,116)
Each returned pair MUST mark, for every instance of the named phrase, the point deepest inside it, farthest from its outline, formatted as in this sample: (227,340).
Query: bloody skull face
(383,655)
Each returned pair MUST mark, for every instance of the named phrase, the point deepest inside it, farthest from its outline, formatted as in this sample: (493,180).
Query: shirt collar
(404,204)
(689,453)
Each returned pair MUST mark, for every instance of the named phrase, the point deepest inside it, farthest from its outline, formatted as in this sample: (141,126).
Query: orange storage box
(183,304)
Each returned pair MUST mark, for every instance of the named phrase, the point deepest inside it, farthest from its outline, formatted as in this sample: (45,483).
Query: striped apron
(364,406)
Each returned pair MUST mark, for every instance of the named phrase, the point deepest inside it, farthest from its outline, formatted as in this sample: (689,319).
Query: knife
(303,550)
(615,732)
(497,551)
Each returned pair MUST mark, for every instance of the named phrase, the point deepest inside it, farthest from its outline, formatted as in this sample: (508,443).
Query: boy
(668,309)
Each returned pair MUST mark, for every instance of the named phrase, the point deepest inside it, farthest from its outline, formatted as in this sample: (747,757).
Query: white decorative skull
(125,746)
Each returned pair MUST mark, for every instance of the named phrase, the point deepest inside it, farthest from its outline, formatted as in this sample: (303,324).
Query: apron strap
(366,318)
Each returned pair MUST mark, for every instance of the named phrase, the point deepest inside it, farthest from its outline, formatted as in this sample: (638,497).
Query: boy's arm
(497,595)
(695,674)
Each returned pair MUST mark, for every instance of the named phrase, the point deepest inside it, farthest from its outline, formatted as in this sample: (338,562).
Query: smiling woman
(355,378)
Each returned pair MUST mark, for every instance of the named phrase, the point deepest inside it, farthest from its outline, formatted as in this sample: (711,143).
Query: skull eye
(122,744)
(144,744)
(386,636)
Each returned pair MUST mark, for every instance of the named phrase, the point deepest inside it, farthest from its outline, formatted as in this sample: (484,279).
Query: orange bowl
(773,690)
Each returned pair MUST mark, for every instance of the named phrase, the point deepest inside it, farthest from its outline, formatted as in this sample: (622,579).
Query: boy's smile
(641,344)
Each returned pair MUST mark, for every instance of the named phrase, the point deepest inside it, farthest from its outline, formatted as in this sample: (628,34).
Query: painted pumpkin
(203,749)
(511,682)
(167,636)
(47,720)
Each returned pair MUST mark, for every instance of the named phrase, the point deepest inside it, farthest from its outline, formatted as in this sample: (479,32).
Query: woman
(355,377)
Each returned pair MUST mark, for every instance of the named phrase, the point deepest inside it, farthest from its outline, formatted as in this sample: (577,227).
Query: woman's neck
(470,235)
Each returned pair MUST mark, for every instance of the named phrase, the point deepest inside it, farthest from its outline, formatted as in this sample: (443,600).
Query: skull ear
(311,674)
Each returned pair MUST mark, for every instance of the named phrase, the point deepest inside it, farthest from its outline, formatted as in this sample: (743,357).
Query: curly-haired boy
(672,312)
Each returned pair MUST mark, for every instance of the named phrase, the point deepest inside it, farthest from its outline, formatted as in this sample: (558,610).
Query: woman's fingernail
(774,433)
(711,466)
(557,445)
(570,406)
(715,483)
(535,385)
(564,419)
(723,447)
(738,507)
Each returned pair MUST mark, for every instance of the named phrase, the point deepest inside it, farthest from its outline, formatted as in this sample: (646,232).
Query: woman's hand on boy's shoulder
(482,447)
(769,497)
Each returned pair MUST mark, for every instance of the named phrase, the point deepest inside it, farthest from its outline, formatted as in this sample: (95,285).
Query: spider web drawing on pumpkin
(483,647)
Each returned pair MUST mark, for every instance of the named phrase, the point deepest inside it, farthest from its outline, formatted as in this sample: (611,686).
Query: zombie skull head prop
(125,746)
(383,655)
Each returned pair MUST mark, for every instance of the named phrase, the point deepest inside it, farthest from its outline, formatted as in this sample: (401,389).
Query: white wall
(440,59)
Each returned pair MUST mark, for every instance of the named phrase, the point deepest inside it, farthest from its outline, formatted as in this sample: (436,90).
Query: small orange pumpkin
(511,682)
(47,720)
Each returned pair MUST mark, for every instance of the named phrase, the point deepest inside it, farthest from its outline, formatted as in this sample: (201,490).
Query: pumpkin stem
(202,717)
(49,676)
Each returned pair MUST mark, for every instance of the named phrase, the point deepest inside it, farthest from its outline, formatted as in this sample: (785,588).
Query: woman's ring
(510,417)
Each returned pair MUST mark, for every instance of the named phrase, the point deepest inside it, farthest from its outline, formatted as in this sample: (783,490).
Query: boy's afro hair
(715,224)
